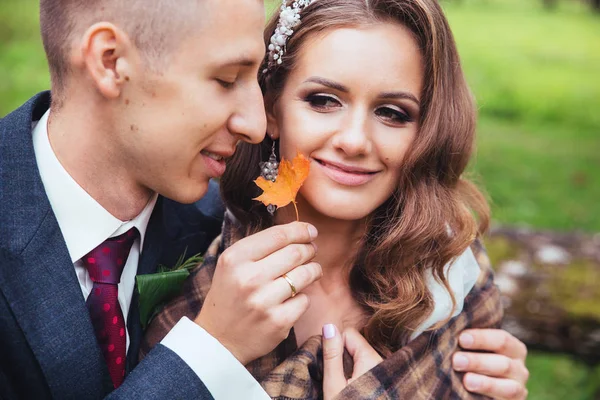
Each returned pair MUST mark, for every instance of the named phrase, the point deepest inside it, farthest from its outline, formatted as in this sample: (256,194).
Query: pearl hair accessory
(289,18)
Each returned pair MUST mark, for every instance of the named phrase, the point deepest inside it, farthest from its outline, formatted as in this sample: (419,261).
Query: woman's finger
(496,388)
(364,356)
(493,365)
(334,380)
(494,341)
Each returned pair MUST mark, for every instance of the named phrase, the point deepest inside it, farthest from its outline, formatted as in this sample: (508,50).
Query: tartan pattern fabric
(422,369)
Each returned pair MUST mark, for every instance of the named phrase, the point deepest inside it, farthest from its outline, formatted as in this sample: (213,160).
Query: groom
(147,101)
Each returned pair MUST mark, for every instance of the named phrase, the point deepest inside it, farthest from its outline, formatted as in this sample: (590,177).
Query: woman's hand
(499,373)
(250,307)
(364,356)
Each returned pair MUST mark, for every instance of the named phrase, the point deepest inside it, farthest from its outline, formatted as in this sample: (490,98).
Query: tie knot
(105,263)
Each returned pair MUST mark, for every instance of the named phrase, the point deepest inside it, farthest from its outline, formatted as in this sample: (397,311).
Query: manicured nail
(473,382)
(460,362)
(466,340)
(312,231)
(329,331)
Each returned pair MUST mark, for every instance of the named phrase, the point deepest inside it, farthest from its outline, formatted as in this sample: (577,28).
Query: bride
(372,93)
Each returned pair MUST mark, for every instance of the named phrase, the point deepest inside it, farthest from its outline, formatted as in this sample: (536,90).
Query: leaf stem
(297,216)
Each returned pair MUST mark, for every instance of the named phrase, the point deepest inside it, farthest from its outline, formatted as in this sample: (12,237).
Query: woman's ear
(271,112)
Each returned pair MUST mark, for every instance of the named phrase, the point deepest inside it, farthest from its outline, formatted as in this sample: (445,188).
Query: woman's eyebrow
(385,95)
(328,83)
(400,95)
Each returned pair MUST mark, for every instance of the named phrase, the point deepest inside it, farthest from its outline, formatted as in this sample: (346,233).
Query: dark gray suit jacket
(47,343)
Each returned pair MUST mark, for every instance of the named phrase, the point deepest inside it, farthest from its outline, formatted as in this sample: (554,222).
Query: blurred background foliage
(534,66)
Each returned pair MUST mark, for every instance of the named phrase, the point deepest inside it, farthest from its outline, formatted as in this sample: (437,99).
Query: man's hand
(364,356)
(501,372)
(249,307)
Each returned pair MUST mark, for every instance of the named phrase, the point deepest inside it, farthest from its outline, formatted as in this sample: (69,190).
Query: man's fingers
(364,356)
(493,365)
(334,380)
(286,259)
(493,340)
(501,389)
(261,244)
(284,316)
(300,277)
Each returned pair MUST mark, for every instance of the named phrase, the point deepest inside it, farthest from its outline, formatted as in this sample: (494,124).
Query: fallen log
(550,284)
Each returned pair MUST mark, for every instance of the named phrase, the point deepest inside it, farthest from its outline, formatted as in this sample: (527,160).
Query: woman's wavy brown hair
(435,214)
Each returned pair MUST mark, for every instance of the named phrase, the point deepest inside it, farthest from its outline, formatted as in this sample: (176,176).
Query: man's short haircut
(155,27)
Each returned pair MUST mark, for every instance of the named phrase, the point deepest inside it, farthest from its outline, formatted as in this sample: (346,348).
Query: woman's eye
(393,115)
(321,101)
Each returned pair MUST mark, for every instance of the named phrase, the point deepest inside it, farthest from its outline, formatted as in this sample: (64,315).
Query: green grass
(23,66)
(555,377)
(536,76)
(540,174)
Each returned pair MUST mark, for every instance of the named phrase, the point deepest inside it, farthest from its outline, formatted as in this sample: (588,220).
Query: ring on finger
(291,283)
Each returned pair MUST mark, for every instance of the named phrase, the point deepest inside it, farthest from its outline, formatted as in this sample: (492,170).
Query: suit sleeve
(162,375)
(190,363)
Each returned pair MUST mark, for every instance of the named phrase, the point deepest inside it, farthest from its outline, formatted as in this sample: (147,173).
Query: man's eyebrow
(242,61)
(328,83)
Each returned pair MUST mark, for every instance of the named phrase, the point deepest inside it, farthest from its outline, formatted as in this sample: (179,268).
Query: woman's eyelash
(394,115)
(322,101)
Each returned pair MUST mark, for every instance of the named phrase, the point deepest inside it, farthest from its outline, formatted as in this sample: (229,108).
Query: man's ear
(107,53)
(271,112)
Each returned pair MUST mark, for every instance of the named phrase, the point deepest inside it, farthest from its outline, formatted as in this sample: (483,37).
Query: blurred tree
(550,3)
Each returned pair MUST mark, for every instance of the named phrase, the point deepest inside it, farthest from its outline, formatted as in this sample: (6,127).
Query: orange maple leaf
(290,177)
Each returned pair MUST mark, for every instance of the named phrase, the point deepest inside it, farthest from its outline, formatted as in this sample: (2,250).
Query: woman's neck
(331,300)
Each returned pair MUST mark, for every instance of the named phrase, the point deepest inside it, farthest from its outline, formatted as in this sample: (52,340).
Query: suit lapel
(153,243)
(37,276)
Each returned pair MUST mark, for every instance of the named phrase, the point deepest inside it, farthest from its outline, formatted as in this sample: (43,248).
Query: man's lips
(217,155)
(214,161)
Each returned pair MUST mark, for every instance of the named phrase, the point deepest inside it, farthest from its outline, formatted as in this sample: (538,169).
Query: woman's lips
(346,175)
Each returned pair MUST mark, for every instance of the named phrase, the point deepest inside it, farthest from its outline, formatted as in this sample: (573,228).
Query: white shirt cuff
(222,374)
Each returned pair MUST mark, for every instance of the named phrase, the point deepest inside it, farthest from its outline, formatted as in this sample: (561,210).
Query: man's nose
(249,121)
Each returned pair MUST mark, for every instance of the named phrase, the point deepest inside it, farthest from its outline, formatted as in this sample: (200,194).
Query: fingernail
(328,331)
(460,362)
(473,382)
(466,340)
(315,246)
(312,231)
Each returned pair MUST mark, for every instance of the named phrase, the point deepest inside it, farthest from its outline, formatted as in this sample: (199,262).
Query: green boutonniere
(156,289)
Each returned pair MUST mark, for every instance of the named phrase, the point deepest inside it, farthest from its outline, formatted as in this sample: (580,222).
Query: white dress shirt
(85,224)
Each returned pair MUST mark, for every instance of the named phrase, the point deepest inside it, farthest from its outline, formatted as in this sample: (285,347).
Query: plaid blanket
(422,369)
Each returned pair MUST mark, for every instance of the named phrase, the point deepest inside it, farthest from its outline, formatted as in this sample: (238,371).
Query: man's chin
(193,192)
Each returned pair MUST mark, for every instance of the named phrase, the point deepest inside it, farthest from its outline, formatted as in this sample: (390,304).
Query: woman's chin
(340,202)
(342,210)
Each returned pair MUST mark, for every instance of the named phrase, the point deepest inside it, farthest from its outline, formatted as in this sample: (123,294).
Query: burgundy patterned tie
(105,264)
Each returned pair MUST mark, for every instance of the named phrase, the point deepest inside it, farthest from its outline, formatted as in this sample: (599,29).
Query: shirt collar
(83,222)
